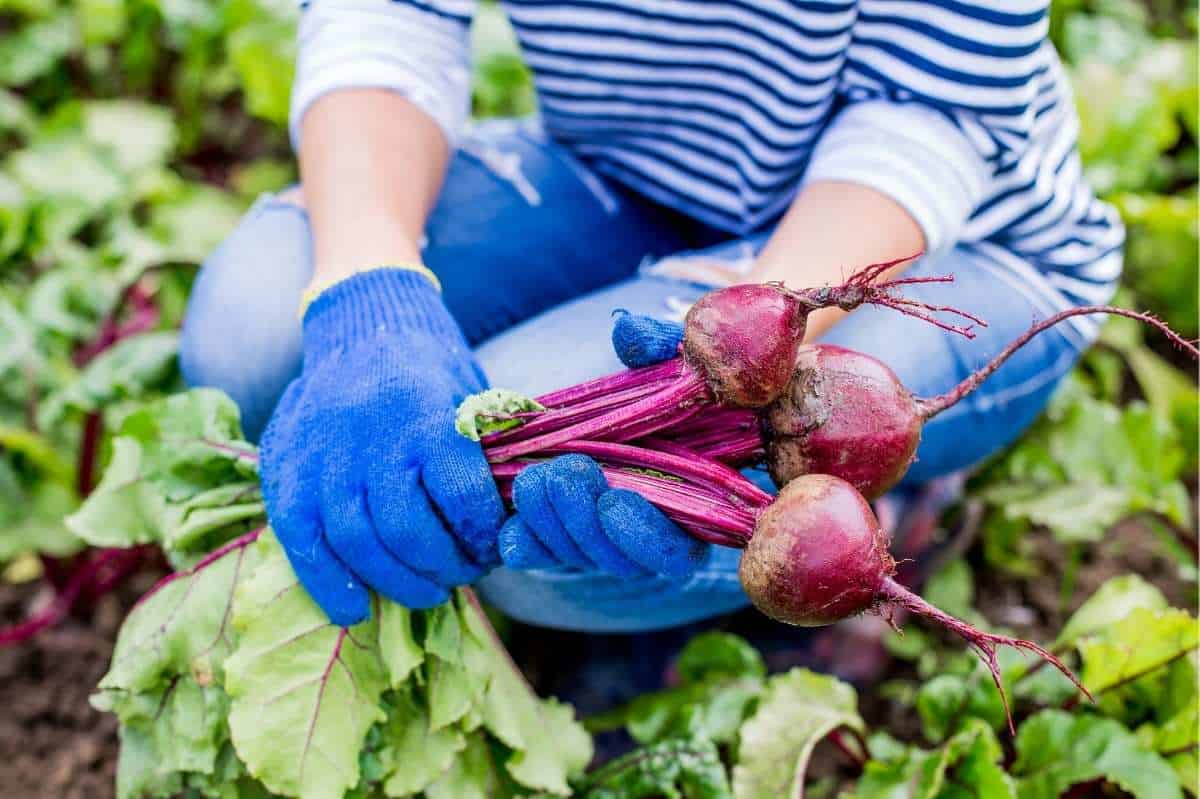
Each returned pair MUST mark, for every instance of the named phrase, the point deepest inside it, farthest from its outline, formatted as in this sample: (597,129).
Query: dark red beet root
(818,555)
(847,414)
(743,339)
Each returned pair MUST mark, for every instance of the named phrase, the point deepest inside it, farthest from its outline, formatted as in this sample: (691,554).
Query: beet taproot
(818,555)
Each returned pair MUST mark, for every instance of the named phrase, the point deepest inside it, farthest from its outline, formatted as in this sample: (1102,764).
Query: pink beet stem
(662,406)
(681,462)
(64,599)
(667,370)
(686,505)
(934,405)
(556,419)
(655,423)
(984,644)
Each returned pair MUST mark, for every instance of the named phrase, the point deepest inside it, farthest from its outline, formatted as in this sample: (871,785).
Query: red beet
(815,557)
(848,415)
(845,414)
(743,339)
(818,555)
(739,348)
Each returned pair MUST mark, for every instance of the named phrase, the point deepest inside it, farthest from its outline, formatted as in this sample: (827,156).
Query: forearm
(372,165)
(832,229)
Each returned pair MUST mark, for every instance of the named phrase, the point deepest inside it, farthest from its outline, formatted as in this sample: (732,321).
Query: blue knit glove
(367,483)
(643,340)
(568,516)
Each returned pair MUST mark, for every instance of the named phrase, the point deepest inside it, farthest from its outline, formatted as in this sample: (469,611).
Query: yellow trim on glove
(316,289)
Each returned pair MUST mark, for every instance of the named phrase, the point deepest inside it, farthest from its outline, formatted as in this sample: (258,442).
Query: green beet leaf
(718,654)
(130,369)
(1086,465)
(720,678)
(1111,602)
(1176,741)
(1144,640)
(31,518)
(180,475)
(1056,750)
(138,135)
(398,645)
(472,775)
(797,710)
(414,756)
(674,769)
(304,691)
(491,411)
(548,745)
(164,682)
(966,767)
(125,508)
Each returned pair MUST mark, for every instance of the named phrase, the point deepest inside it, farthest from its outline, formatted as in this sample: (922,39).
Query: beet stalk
(847,414)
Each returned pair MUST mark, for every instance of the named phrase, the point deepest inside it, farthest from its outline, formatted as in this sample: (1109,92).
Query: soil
(53,744)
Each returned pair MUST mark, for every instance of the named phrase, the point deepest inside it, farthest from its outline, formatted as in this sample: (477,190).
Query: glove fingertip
(643,340)
(341,595)
(350,610)
(520,549)
(647,537)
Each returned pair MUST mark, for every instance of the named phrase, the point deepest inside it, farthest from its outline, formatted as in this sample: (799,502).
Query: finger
(520,549)
(327,580)
(408,526)
(643,340)
(536,510)
(352,537)
(646,536)
(573,485)
(458,480)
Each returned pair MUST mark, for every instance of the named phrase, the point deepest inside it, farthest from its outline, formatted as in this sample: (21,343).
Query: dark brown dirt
(52,743)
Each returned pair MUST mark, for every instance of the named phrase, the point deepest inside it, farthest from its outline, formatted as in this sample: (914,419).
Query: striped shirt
(960,111)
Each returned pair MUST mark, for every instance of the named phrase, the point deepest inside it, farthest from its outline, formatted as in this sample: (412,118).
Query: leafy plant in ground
(1139,657)
(228,680)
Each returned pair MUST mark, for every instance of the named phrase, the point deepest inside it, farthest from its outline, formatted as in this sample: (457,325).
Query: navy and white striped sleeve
(418,48)
(938,95)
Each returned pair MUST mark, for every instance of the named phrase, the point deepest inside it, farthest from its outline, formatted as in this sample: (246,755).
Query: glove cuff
(385,300)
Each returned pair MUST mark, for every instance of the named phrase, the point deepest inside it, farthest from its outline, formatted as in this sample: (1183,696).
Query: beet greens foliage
(229,681)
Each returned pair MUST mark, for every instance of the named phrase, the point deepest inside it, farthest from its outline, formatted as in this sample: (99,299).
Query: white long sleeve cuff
(911,153)
(354,44)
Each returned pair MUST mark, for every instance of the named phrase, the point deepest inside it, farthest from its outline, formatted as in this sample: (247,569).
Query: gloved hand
(568,516)
(366,481)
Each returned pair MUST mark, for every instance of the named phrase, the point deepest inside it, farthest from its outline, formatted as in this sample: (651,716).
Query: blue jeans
(534,251)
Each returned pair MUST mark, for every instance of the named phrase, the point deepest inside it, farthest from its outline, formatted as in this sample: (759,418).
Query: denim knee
(241,333)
